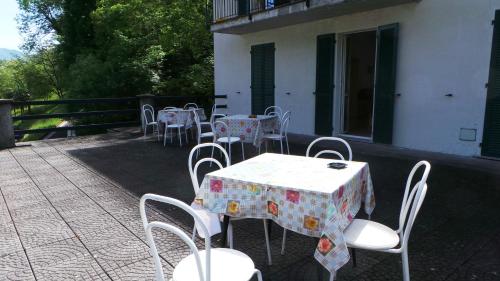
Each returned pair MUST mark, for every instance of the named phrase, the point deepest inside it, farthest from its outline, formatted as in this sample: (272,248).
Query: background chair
(193,171)
(209,264)
(274,110)
(190,105)
(283,134)
(330,151)
(200,135)
(369,235)
(149,120)
(178,125)
(227,139)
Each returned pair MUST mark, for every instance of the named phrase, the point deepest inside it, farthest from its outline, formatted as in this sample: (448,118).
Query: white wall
(444,47)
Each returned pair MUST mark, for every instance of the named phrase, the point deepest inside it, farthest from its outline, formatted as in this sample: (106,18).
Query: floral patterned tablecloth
(298,193)
(183,116)
(250,130)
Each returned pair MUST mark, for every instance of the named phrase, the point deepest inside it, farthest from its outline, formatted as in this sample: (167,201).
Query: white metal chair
(190,105)
(228,139)
(283,134)
(274,110)
(149,120)
(174,126)
(369,235)
(209,264)
(330,151)
(193,172)
(200,135)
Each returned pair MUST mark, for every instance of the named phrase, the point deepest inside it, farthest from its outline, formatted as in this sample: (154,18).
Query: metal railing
(112,112)
(223,10)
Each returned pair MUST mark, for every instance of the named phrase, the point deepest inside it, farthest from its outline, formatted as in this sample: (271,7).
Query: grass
(39,123)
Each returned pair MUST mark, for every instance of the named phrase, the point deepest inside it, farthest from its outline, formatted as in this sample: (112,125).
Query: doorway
(359,80)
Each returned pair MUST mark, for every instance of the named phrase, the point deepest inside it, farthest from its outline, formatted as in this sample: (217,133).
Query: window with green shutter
(491,134)
(262,79)
(325,60)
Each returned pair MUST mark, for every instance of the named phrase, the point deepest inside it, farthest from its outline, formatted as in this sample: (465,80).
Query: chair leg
(406,266)
(212,155)
(172,136)
(230,235)
(287,145)
(194,234)
(165,136)
(281,145)
(353,255)
(145,130)
(179,135)
(283,242)
(243,150)
(230,158)
(268,246)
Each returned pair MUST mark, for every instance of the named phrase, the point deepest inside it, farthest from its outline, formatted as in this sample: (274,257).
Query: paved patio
(69,211)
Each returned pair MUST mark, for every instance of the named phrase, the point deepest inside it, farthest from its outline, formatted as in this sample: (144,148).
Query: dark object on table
(337,165)
(252,116)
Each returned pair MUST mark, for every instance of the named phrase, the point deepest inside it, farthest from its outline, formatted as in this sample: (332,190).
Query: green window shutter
(385,83)
(325,66)
(491,134)
(243,7)
(262,77)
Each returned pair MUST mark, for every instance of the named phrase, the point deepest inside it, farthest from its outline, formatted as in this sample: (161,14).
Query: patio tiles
(77,185)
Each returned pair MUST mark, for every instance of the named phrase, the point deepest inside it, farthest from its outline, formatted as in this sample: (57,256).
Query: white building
(414,74)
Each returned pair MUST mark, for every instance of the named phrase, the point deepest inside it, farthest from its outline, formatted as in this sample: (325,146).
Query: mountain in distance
(9,54)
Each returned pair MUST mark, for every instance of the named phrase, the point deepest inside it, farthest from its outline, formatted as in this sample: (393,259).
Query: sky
(9,35)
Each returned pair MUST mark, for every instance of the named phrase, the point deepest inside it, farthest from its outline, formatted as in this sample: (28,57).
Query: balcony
(246,16)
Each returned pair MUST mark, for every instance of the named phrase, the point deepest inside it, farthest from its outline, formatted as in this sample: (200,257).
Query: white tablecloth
(301,194)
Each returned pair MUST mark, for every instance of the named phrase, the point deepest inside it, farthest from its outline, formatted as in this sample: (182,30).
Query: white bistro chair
(149,120)
(369,235)
(274,110)
(190,105)
(329,151)
(177,126)
(283,243)
(210,264)
(227,140)
(193,172)
(283,134)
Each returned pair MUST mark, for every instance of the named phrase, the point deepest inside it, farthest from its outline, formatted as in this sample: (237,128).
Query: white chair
(190,105)
(330,151)
(149,120)
(369,235)
(209,264)
(171,115)
(283,134)
(274,110)
(200,135)
(228,139)
(193,172)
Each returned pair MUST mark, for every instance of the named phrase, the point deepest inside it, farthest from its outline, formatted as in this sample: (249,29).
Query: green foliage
(113,48)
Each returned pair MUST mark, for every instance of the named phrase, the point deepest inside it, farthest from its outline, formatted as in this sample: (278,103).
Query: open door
(385,83)
(325,66)
(491,135)
(262,77)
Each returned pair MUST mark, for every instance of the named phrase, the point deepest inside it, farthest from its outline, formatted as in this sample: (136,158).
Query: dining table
(182,116)
(301,194)
(249,128)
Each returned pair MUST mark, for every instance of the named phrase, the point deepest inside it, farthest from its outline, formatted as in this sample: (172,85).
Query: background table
(183,116)
(298,193)
(247,128)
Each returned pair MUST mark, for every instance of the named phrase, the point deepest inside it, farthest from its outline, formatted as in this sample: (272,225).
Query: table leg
(225,226)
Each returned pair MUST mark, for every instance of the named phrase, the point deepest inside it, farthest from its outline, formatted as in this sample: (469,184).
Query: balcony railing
(228,9)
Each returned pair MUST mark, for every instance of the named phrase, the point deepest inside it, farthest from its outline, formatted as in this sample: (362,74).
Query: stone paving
(69,211)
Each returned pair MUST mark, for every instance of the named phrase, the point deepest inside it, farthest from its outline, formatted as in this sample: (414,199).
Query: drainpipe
(6,126)
(145,99)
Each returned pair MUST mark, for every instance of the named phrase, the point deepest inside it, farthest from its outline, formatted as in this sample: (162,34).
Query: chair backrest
(193,170)
(274,110)
(284,123)
(190,105)
(149,226)
(149,116)
(330,151)
(412,201)
(224,129)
